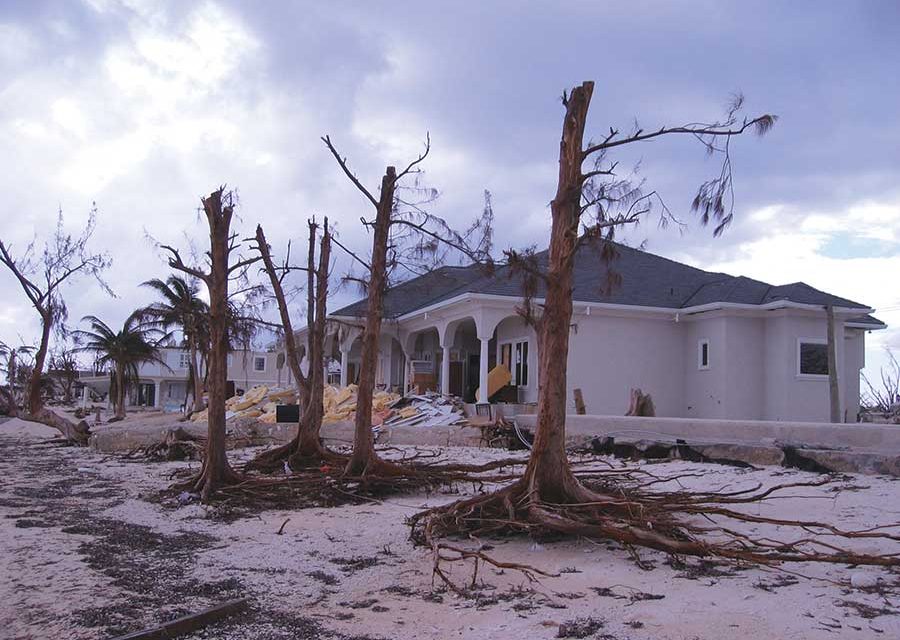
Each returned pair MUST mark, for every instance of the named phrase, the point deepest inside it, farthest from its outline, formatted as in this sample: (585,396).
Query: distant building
(166,386)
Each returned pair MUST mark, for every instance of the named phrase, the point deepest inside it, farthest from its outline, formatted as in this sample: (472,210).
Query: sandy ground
(89,551)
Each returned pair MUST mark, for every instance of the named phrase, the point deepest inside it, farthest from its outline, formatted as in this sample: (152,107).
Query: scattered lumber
(580,409)
(189,623)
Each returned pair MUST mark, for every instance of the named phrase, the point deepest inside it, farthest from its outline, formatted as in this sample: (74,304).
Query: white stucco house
(704,345)
(166,386)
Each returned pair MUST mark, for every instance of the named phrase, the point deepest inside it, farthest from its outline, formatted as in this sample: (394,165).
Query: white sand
(42,572)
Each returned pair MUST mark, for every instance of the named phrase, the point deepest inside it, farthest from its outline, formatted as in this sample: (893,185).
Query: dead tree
(218,207)
(886,398)
(42,278)
(550,498)
(400,229)
(305,449)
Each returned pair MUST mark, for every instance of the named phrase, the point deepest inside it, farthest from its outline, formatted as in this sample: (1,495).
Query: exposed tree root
(620,506)
(303,452)
(212,478)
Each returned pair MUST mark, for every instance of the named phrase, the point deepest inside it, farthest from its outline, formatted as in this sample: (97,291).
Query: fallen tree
(64,258)
(621,506)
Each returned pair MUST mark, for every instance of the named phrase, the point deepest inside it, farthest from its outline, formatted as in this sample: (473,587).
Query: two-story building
(166,385)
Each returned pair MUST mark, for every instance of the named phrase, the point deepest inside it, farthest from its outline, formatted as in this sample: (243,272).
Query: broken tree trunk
(363,441)
(306,448)
(641,404)
(834,395)
(580,409)
(216,472)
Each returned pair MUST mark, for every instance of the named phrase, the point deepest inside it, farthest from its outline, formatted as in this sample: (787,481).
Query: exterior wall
(854,361)
(753,371)
(789,395)
(704,389)
(608,356)
(242,373)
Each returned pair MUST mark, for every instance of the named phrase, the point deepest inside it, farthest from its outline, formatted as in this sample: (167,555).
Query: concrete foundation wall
(863,436)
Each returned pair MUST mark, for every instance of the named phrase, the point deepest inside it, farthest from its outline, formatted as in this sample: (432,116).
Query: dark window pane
(813,358)
(524,379)
(704,354)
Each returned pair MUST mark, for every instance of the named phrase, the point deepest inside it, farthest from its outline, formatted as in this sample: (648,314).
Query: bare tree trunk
(198,382)
(548,473)
(216,471)
(306,447)
(310,426)
(363,441)
(35,402)
(834,396)
(120,391)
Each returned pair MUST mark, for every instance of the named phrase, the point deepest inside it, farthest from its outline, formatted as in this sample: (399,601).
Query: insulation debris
(427,410)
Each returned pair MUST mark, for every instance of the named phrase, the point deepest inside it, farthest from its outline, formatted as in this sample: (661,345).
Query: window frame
(184,360)
(700,344)
(264,361)
(512,343)
(799,371)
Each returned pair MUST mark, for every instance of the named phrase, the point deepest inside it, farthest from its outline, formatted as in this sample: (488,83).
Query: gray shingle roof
(647,280)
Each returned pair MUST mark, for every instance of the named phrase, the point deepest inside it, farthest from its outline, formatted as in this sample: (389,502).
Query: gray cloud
(144,107)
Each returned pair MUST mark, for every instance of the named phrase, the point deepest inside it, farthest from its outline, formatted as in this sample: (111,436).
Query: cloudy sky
(144,106)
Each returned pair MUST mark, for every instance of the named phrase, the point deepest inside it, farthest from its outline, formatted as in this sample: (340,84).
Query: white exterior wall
(704,389)
(744,378)
(789,395)
(854,361)
(753,361)
(608,356)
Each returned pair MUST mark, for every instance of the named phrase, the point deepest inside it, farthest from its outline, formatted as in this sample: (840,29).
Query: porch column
(345,364)
(445,372)
(483,371)
(156,398)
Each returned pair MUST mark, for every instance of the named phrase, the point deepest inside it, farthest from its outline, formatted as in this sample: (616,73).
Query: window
(184,360)
(812,357)
(703,353)
(259,363)
(514,355)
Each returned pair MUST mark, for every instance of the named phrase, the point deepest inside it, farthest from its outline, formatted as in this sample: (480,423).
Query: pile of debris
(427,410)
(258,403)
(340,404)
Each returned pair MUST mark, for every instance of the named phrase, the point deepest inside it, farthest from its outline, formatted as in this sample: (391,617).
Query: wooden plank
(190,622)
(579,403)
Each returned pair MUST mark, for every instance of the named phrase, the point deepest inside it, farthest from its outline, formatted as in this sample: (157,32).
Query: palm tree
(181,307)
(125,350)
(17,371)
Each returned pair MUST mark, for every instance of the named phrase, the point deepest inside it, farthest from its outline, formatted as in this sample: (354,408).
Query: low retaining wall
(125,437)
(852,448)
(858,436)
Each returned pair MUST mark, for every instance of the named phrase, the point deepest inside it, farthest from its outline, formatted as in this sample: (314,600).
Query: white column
(345,364)
(156,399)
(483,371)
(445,372)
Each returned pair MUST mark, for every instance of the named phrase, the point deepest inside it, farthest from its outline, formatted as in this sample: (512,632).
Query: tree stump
(641,404)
